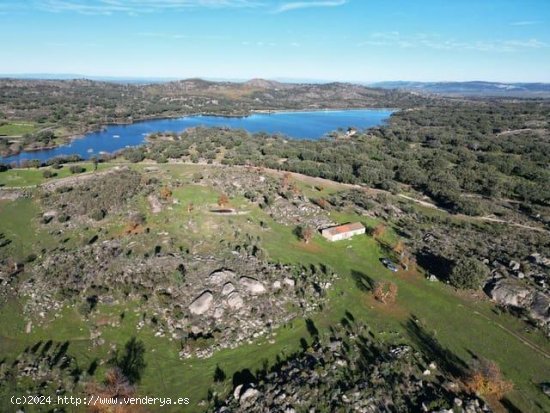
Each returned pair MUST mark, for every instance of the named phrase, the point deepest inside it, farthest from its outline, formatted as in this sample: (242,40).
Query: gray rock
(508,292)
(218,313)
(540,307)
(202,303)
(249,395)
(237,391)
(221,276)
(234,300)
(290,282)
(228,288)
(514,265)
(252,285)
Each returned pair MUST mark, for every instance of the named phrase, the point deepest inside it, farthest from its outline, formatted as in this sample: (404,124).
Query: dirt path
(311,180)
(512,333)
(74,179)
(316,181)
(423,203)
(515,224)
(466,217)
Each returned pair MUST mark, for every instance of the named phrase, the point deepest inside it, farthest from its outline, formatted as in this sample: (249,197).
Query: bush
(486,379)
(134,155)
(304,233)
(76,169)
(63,218)
(48,174)
(468,273)
(385,292)
(98,214)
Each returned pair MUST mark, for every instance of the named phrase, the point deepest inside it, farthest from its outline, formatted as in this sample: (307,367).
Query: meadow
(429,315)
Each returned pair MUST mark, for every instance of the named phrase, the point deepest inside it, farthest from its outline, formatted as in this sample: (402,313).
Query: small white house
(343,231)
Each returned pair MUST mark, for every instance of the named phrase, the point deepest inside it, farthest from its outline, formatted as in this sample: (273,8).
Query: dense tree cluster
(458,153)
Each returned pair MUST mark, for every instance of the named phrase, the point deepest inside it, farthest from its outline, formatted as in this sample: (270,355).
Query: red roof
(344,228)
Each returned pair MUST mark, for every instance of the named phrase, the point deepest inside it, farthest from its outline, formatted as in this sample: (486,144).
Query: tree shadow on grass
(131,361)
(435,264)
(219,374)
(312,329)
(244,377)
(446,360)
(509,406)
(363,281)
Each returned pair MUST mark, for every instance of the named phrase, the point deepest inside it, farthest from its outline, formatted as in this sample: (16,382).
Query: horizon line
(281,79)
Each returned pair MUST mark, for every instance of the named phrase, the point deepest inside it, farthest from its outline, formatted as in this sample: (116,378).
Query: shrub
(48,174)
(137,218)
(223,200)
(134,155)
(304,233)
(378,231)
(76,169)
(165,193)
(63,218)
(385,292)
(486,380)
(98,214)
(468,273)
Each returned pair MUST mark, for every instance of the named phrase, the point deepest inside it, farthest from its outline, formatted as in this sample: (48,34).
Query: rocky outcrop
(208,292)
(377,377)
(234,300)
(509,292)
(540,307)
(252,285)
(228,288)
(249,396)
(202,303)
(221,276)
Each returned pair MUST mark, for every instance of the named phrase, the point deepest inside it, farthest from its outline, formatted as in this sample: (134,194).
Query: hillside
(53,110)
(136,261)
(472,89)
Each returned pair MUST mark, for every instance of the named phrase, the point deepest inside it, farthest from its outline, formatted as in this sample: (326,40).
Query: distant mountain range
(471,88)
(474,88)
(72,76)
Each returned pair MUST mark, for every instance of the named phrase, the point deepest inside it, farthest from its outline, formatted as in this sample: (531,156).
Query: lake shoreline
(69,139)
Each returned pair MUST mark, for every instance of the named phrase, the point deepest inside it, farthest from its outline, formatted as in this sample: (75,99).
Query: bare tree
(385,292)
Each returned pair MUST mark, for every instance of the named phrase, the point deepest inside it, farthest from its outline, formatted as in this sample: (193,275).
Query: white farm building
(343,231)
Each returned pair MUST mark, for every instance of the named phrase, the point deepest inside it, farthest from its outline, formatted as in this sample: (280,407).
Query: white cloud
(137,7)
(178,36)
(134,7)
(524,23)
(433,41)
(259,43)
(308,4)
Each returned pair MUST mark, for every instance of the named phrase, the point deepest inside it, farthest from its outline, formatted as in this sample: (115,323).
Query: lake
(296,125)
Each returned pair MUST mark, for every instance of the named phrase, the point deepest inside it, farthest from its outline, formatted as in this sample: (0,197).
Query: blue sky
(350,40)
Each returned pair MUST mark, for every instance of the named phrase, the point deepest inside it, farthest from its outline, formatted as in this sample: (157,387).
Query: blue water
(297,125)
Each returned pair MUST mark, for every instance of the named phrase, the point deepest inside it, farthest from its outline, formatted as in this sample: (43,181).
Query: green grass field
(17,128)
(21,177)
(463,326)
